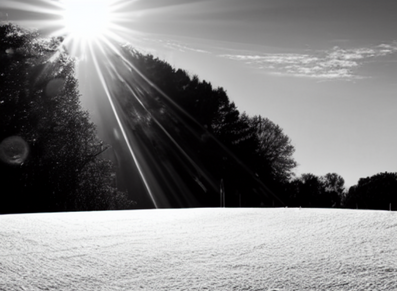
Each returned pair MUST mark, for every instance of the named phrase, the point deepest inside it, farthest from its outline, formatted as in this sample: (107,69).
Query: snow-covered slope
(200,249)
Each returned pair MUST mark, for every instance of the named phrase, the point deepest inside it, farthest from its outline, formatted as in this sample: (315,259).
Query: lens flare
(54,87)
(14,150)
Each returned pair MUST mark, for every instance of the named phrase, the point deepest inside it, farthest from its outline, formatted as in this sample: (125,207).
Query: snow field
(200,249)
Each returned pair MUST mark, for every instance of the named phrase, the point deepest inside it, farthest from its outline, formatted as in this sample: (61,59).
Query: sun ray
(225,149)
(23,6)
(106,90)
(92,31)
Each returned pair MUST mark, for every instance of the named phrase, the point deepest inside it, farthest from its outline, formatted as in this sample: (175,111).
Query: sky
(324,71)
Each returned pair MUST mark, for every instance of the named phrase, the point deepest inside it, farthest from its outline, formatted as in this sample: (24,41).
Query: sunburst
(88,22)
(87,19)
(82,23)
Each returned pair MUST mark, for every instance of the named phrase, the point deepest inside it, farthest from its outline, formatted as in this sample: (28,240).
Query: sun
(87,20)
(85,26)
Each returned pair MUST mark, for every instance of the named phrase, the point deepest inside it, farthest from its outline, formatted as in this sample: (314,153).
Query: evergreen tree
(40,105)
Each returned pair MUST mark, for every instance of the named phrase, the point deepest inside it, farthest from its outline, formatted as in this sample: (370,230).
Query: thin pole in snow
(222,194)
(389,206)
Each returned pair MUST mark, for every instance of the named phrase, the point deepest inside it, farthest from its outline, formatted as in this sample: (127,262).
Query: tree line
(192,136)
(198,134)
(375,192)
(250,155)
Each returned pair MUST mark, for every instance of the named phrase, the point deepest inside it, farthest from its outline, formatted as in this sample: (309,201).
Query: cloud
(336,63)
(183,48)
(175,45)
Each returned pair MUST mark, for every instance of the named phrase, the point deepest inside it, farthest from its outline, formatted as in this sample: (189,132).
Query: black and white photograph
(198,145)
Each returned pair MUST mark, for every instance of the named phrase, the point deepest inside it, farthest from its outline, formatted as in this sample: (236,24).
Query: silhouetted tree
(313,191)
(375,192)
(40,105)
(334,189)
(275,147)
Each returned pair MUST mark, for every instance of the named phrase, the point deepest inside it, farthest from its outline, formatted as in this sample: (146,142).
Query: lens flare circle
(87,19)
(14,150)
(54,87)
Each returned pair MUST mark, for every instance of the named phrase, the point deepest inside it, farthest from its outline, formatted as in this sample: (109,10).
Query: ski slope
(200,249)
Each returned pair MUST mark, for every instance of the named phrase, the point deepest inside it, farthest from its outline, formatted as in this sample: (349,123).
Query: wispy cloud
(177,45)
(336,63)
(183,48)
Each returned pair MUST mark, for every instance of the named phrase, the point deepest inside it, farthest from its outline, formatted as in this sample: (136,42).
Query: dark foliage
(39,104)
(375,192)
(251,155)
(189,133)
(312,191)
(199,135)
(274,147)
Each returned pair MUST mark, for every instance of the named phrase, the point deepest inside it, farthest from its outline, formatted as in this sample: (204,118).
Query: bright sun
(87,20)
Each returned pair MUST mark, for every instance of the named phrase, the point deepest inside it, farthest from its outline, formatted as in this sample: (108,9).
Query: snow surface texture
(200,249)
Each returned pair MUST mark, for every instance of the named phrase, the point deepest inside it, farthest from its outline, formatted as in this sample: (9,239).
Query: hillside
(200,249)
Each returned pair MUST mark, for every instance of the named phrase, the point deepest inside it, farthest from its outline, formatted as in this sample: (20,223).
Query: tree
(39,104)
(376,192)
(334,188)
(275,148)
(313,191)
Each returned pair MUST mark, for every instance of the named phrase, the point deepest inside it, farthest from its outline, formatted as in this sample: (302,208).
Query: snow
(200,249)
